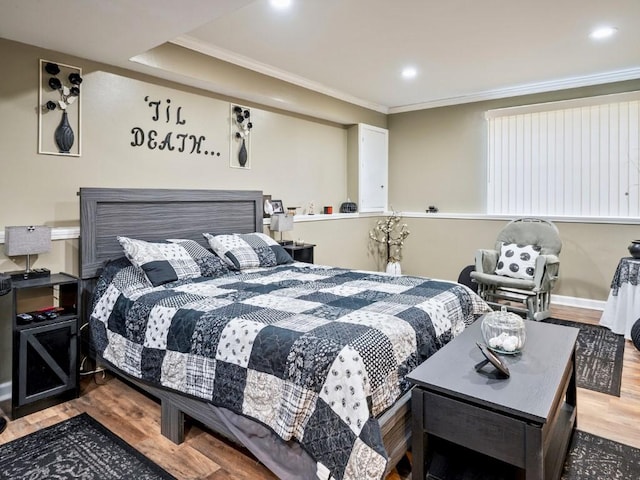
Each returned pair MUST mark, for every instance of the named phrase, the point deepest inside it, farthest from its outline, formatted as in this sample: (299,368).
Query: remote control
(24,317)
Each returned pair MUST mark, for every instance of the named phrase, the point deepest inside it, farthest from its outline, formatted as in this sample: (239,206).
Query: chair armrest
(547,268)
(486,261)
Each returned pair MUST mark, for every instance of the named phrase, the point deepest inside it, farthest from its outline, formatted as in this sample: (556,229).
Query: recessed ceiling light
(280,4)
(409,72)
(603,32)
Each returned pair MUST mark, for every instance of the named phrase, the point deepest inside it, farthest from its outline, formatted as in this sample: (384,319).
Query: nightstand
(526,421)
(300,253)
(45,346)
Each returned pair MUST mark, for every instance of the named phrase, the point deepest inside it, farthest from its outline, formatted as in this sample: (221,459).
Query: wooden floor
(136,419)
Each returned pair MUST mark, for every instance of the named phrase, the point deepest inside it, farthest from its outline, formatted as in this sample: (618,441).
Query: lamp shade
(281,223)
(28,240)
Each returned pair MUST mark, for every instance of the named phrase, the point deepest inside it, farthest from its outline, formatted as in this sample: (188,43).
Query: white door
(373,160)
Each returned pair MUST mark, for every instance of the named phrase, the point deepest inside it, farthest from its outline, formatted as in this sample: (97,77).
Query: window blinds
(573,158)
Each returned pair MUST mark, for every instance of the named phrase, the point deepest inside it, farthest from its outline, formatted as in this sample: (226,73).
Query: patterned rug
(76,448)
(589,458)
(598,357)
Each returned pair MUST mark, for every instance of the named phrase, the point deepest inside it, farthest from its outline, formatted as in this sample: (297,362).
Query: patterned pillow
(248,250)
(517,261)
(170,260)
(211,265)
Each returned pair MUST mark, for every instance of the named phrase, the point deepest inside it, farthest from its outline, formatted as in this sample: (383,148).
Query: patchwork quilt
(314,353)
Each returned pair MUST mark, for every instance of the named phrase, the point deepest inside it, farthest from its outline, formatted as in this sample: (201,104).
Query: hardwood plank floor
(204,456)
(615,418)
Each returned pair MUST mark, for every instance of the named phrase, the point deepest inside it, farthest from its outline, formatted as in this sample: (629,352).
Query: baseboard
(578,302)
(5,391)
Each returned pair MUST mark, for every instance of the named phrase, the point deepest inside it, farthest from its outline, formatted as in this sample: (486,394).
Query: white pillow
(517,261)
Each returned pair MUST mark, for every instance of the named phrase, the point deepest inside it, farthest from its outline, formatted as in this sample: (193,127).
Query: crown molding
(528,89)
(250,64)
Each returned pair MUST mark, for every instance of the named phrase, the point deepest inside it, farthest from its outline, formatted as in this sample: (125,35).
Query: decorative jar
(634,248)
(503,332)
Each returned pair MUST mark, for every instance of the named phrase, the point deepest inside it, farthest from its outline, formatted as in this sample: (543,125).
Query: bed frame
(152,214)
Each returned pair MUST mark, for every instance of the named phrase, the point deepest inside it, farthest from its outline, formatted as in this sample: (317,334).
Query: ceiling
(462,50)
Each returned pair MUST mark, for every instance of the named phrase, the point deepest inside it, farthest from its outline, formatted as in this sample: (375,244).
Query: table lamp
(28,240)
(282,223)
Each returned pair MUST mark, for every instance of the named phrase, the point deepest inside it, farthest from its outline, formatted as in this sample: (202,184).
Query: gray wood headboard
(157,214)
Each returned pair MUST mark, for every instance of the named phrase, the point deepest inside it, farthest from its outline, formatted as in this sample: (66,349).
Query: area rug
(78,448)
(599,355)
(590,458)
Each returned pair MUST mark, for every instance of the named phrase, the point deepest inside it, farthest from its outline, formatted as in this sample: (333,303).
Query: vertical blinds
(573,158)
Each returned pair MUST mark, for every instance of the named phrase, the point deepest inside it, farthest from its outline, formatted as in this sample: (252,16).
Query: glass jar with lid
(503,331)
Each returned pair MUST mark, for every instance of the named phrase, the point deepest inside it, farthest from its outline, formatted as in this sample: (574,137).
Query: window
(575,158)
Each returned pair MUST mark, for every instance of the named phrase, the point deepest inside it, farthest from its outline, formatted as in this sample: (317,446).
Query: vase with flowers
(388,236)
(63,135)
(244,125)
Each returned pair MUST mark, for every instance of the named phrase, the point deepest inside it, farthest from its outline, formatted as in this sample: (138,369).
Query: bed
(331,345)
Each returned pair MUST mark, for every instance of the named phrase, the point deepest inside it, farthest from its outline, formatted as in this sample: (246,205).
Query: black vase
(64,135)
(242,154)
(634,248)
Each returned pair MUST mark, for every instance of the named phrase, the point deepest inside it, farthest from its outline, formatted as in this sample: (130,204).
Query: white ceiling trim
(527,89)
(148,66)
(541,87)
(248,63)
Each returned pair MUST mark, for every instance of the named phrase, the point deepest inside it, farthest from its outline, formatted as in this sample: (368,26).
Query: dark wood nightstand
(526,420)
(45,346)
(300,253)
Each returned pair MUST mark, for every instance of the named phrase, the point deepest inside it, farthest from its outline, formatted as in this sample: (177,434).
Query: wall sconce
(28,241)
(282,223)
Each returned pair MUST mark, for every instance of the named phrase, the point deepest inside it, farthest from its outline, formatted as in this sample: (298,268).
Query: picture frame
(277,206)
(267,208)
(51,120)
(493,359)
(242,142)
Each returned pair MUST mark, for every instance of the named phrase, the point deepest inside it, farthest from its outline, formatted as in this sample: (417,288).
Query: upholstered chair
(522,268)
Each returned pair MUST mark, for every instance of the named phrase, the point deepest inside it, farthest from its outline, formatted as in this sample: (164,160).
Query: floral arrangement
(391,233)
(68,94)
(240,116)
(241,119)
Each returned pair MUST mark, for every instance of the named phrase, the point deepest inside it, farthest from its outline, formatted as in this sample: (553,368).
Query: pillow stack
(180,259)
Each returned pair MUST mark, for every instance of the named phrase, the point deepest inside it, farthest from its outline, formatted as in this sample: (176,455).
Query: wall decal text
(173,140)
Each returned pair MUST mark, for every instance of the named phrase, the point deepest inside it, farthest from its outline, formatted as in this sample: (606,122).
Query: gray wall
(438,157)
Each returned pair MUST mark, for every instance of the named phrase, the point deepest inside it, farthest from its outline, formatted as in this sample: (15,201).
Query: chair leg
(539,306)
(530,303)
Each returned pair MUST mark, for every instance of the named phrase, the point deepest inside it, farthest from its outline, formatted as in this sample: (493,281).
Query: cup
(328,210)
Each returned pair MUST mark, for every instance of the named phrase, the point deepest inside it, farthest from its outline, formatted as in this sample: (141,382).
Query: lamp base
(18,275)
(285,242)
